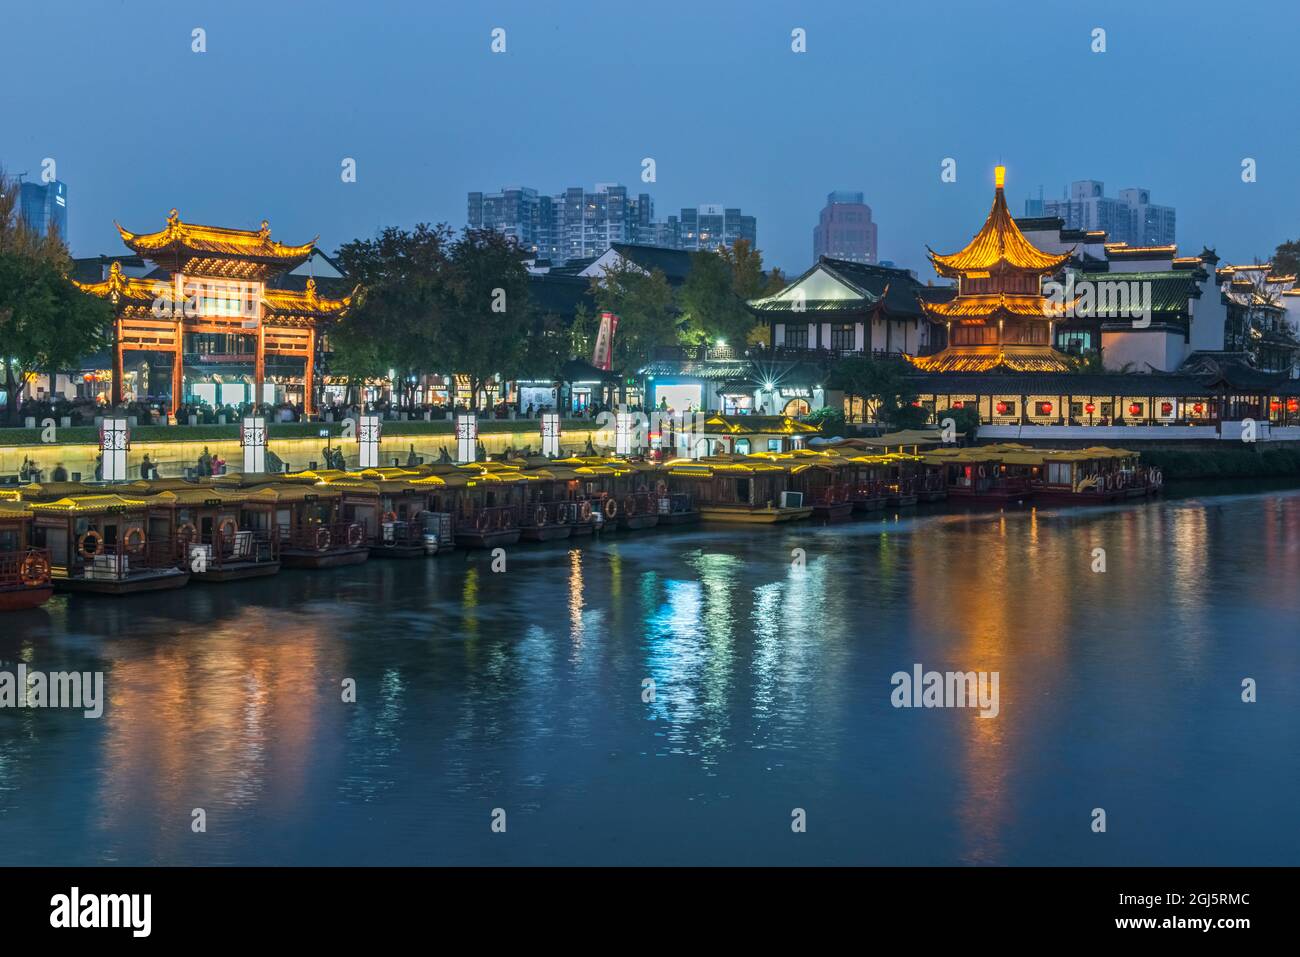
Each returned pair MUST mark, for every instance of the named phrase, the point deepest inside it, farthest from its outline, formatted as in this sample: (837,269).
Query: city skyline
(420,148)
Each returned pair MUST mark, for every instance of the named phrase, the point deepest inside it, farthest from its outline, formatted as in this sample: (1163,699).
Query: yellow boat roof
(90,504)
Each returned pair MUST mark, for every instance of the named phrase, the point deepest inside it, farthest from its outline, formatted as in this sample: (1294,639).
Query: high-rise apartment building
(1129,218)
(580,223)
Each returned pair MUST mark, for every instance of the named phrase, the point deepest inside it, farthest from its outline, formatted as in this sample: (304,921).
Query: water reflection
(523,690)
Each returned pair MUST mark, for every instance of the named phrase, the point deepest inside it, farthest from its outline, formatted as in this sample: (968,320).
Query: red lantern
(1198,408)
(89,377)
(1293,405)
(1135,409)
(1090,408)
(1047,408)
(1166,408)
(959,405)
(1002,408)
(1275,405)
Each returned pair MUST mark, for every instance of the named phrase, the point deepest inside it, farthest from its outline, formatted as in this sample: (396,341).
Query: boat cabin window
(774,445)
(742,446)
(742,490)
(8,539)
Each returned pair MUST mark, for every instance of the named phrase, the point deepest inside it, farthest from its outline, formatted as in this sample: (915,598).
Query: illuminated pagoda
(210,308)
(1000,320)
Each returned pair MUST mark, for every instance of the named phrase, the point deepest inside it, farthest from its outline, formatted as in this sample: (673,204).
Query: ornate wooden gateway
(207,305)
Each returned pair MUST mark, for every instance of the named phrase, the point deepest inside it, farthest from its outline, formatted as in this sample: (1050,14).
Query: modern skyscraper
(44,206)
(1130,218)
(845,229)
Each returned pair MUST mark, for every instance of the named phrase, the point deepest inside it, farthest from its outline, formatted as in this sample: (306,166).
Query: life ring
(629,505)
(98,548)
(35,570)
(661,488)
(356,535)
(507,518)
(562,513)
(228,537)
(610,507)
(390,516)
(1158,478)
(585,510)
(481,520)
(539,515)
(186,534)
(133,540)
(323,538)
(983,473)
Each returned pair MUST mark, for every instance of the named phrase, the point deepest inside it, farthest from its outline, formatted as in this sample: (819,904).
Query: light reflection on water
(523,690)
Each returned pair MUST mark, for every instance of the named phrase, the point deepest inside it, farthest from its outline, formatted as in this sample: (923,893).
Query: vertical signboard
(466,438)
(114,440)
(368,441)
(551,434)
(252,436)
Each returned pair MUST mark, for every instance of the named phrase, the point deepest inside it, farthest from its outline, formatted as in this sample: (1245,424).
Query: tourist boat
(677,508)
(994,475)
(732,488)
(821,478)
(108,543)
(221,534)
(24,570)
(1094,476)
(310,527)
(487,500)
(622,492)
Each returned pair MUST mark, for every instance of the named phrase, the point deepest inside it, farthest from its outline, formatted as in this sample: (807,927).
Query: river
(520,697)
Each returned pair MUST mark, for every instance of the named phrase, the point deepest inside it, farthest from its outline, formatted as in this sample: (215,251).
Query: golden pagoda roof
(215,241)
(986,358)
(984,305)
(305,302)
(998,244)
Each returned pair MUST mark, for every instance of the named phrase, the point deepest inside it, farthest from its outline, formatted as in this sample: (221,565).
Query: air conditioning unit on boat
(792,499)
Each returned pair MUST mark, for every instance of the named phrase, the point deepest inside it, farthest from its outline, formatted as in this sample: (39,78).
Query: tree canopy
(45,321)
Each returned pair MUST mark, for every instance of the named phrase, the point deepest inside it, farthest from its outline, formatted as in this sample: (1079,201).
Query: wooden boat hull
(753,516)
(544,533)
(932,496)
(327,559)
(680,518)
(633,522)
(18,599)
(869,505)
(901,501)
(582,528)
(237,571)
(837,512)
(494,539)
(162,580)
(398,551)
(1063,497)
(993,497)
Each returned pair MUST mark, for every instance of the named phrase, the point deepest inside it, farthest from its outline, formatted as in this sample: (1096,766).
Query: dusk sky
(258,126)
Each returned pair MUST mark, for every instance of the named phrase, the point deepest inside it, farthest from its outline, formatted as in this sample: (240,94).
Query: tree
(45,321)
(715,294)
(401,317)
(492,310)
(647,314)
(880,384)
(1286,260)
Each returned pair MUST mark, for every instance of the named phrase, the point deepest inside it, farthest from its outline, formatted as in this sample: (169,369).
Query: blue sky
(257,127)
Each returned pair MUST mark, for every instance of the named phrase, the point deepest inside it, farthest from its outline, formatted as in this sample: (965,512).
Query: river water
(518,696)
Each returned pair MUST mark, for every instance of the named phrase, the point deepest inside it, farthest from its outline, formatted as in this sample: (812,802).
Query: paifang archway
(209,287)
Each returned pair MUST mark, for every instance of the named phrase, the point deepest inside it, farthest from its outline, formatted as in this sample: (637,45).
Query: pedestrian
(60,473)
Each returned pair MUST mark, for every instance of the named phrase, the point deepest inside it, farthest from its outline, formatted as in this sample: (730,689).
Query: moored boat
(24,571)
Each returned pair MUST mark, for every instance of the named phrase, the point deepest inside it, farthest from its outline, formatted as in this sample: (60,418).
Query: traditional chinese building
(1000,319)
(213,326)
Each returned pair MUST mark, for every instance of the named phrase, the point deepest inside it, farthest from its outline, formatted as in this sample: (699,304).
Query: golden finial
(999,176)
(265,231)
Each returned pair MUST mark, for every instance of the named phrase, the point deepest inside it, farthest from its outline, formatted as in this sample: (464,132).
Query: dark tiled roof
(896,288)
(1170,291)
(675,264)
(560,295)
(714,370)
